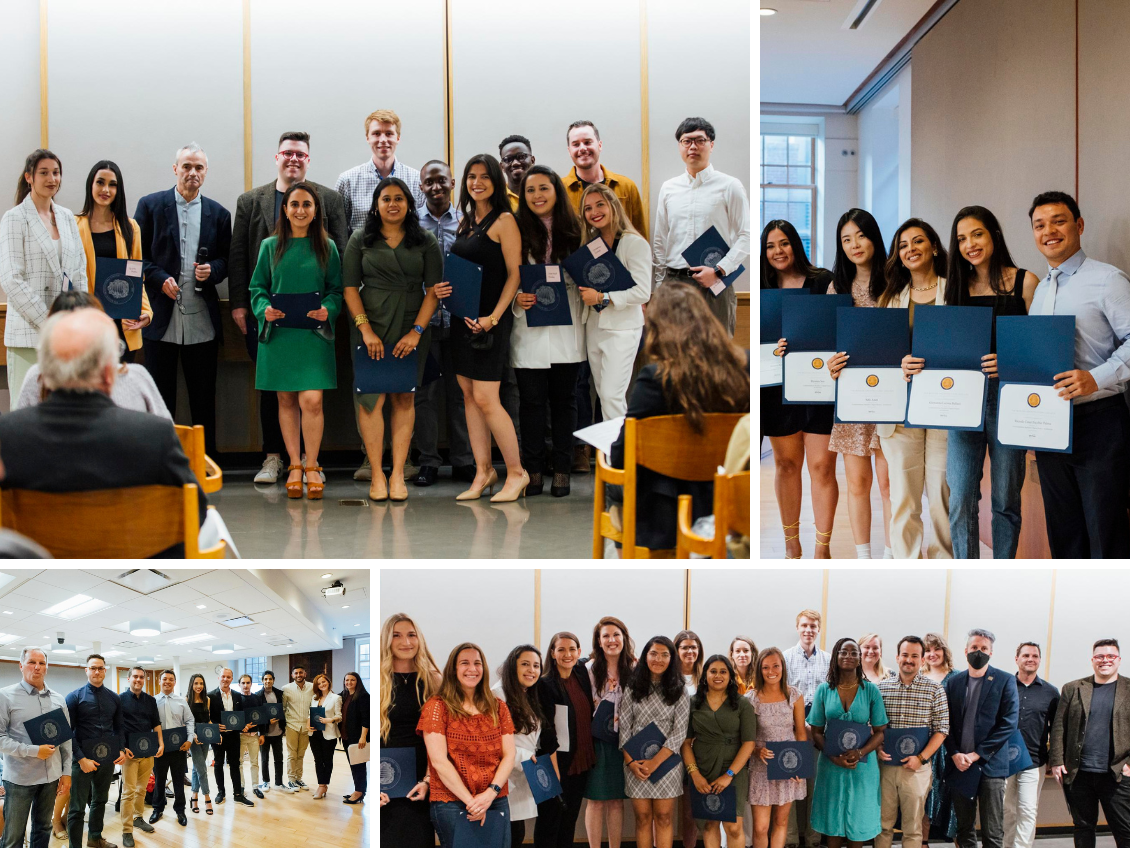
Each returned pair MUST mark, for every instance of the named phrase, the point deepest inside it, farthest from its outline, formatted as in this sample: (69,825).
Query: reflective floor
(429,525)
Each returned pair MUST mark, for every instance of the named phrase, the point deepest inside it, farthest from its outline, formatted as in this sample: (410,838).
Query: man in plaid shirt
(356,186)
(911,700)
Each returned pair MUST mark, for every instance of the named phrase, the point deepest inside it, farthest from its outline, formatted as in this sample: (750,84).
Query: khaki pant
(1021,802)
(249,746)
(20,360)
(135,777)
(297,741)
(917,459)
(901,788)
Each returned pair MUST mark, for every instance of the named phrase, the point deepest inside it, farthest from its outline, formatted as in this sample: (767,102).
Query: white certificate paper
(806,377)
(771,370)
(561,725)
(1033,417)
(946,398)
(871,396)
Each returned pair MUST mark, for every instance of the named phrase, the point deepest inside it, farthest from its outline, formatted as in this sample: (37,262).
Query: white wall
(840,178)
(19,96)
(879,160)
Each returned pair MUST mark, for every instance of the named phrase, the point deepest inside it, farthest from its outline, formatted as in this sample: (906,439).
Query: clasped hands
(273,314)
(848,759)
(707,787)
(376,349)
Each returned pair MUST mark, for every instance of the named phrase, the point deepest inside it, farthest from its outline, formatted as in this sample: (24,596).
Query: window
(788,182)
(255,666)
(363,661)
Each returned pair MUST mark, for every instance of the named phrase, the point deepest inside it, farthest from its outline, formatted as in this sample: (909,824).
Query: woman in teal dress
(845,803)
(297,363)
(390,270)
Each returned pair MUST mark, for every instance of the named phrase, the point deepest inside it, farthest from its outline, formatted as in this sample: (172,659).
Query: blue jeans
(19,802)
(965,463)
(200,768)
(445,815)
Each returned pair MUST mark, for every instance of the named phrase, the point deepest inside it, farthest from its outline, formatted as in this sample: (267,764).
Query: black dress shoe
(536,484)
(155,817)
(220,796)
(427,475)
(358,801)
(243,799)
(560,487)
(463,473)
(258,792)
(182,819)
(127,840)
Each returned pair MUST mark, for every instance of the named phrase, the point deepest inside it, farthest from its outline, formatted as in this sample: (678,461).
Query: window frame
(812,187)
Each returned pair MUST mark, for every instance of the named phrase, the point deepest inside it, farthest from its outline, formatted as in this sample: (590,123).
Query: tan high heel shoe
(473,494)
(294,489)
(314,486)
(520,493)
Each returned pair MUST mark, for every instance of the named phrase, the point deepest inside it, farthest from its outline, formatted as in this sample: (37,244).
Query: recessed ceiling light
(200,606)
(345,606)
(356,625)
(7,612)
(262,634)
(76,606)
(188,640)
(765,13)
(324,576)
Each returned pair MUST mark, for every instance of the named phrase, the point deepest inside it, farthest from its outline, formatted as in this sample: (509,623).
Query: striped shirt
(356,187)
(921,704)
(806,672)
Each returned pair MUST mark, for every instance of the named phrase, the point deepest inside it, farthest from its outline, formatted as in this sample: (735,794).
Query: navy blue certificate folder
(722,806)
(900,743)
(466,280)
(646,744)
(955,337)
(542,779)
(791,758)
(1019,758)
(208,734)
(491,832)
(232,719)
(552,307)
(294,307)
(103,749)
(707,250)
(964,783)
(273,711)
(771,313)
(841,735)
(873,338)
(257,715)
(118,286)
(595,266)
(604,723)
(398,771)
(48,729)
(316,713)
(387,374)
(143,744)
(1034,348)
(175,737)
(810,324)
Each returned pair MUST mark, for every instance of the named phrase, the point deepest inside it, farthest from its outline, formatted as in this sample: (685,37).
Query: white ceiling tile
(50,595)
(68,578)
(176,595)
(144,605)
(215,582)
(16,601)
(114,593)
(17,614)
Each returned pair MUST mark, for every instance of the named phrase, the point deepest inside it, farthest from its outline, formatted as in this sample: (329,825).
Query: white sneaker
(269,473)
(301,785)
(365,472)
(286,787)
(264,787)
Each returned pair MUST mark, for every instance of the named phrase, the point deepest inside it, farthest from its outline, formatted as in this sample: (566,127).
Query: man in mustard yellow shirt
(516,157)
(584,149)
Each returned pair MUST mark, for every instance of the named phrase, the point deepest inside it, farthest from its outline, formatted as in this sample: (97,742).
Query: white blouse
(540,347)
(332,703)
(521,797)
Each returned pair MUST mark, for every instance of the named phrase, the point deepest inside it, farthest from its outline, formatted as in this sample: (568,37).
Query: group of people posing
(718,712)
(374,245)
(1084,490)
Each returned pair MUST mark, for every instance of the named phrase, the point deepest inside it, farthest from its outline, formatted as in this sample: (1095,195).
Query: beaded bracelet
(358,320)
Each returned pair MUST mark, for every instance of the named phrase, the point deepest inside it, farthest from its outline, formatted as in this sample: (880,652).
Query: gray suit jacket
(1065,747)
(254,221)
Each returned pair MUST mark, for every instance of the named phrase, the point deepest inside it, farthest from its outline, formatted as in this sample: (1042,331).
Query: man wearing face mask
(1090,747)
(984,711)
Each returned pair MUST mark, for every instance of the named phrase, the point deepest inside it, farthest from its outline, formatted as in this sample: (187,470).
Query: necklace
(926,288)
(845,686)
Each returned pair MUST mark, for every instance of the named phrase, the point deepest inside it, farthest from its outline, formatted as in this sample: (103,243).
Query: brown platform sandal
(294,490)
(314,486)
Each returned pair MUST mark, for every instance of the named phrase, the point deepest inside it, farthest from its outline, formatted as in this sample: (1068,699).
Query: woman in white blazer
(41,255)
(916,457)
(614,321)
(323,743)
(546,360)
(518,677)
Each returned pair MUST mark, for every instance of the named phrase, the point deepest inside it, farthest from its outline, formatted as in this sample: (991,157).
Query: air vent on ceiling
(861,17)
(241,621)
(279,640)
(144,580)
(128,645)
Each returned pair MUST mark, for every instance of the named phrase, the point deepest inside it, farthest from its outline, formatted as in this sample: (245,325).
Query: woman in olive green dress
(297,363)
(390,270)
(720,740)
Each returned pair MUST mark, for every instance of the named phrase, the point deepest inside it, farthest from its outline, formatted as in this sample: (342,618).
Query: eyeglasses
(699,140)
(849,653)
(294,154)
(517,157)
(1105,657)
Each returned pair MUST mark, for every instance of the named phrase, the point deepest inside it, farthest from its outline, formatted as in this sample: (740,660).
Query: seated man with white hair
(78,440)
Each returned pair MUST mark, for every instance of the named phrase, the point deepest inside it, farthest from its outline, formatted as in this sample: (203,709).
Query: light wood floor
(843,546)
(278,820)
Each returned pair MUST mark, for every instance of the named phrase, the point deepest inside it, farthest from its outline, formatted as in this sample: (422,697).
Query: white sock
(888,553)
(863,551)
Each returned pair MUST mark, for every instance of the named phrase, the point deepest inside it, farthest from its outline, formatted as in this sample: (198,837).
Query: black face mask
(977,659)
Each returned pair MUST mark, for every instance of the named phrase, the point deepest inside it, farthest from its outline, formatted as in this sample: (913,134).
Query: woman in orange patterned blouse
(470,740)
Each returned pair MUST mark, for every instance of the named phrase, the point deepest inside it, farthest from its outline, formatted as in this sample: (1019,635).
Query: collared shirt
(1098,295)
(227,699)
(139,713)
(688,207)
(621,186)
(512,196)
(806,672)
(95,711)
(296,704)
(1038,703)
(921,704)
(174,712)
(18,703)
(443,228)
(356,187)
(194,325)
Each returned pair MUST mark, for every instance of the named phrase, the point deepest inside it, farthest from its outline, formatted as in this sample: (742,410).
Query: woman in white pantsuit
(614,321)
(41,255)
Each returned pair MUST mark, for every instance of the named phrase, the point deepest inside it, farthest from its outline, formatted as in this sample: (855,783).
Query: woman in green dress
(720,740)
(297,363)
(845,800)
(390,270)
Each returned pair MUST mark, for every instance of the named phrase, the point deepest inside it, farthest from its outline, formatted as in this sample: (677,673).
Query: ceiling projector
(334,589)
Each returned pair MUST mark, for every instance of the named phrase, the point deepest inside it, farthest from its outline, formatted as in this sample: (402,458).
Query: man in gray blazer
(256,212)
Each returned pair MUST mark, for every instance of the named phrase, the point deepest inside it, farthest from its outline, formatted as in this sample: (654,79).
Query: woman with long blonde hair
(409,677)
(871,648)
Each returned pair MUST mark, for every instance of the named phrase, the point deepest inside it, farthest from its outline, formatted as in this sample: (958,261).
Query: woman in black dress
(409,677)
(487,236)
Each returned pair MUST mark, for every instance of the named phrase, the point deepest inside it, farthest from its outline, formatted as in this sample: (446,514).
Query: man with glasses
(96,712)
(185,239)
(516,156)
(256,213)
(174,712)
(688,206)
(33,774)
(139,715)
(1038,703)
(807,667)
(272,737)
(1090,747)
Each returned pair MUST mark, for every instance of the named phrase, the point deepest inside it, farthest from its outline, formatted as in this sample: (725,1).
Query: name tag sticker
(133,268)
(598,248)
(553,273)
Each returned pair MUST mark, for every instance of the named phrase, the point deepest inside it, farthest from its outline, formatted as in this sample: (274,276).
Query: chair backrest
(192,441)
(667,445)
(130,523)
(731,504)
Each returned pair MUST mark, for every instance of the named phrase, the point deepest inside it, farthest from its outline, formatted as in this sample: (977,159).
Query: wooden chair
(731,515)
(667,445)
(207,472)
(131,523)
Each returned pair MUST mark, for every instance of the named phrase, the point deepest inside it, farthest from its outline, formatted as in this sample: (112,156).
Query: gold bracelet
(358,320)
(692,768)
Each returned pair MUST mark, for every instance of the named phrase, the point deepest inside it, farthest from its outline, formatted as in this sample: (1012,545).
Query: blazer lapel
(172,224)
(1086,690)
(42,236)
(1121,695)
(266,204)
(207,225)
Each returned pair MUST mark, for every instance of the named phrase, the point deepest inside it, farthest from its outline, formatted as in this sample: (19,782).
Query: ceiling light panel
(75,607)
(188,640)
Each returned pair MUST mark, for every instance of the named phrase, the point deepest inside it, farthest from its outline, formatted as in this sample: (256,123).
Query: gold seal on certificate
(871,396)
(1033,400)
(770,365)
(947,383)
(1033,417)
(946,399)
(806,377)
